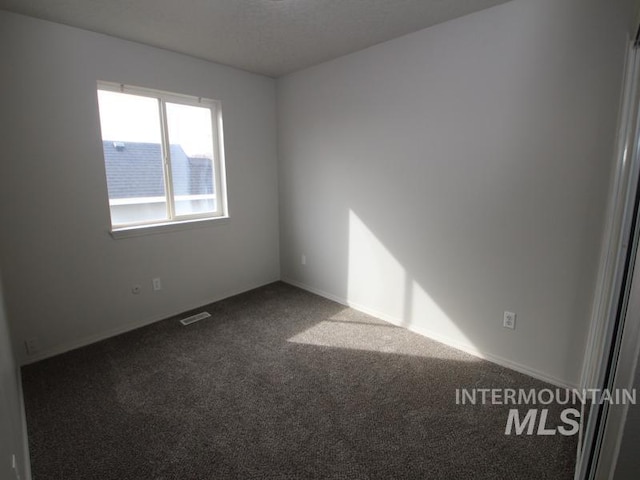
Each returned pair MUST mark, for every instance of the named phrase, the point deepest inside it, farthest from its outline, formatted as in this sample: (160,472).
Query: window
(163,156)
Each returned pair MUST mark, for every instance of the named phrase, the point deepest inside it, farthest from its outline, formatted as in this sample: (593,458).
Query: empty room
(319,239)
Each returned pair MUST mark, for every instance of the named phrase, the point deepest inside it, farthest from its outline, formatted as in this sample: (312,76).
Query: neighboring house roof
(135,170)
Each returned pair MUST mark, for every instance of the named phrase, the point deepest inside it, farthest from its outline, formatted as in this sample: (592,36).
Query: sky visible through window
(135,118)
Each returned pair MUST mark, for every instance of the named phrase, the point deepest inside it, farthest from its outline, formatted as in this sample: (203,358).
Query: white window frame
(219,171)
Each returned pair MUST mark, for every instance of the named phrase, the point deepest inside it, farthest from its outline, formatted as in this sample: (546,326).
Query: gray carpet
(278,384)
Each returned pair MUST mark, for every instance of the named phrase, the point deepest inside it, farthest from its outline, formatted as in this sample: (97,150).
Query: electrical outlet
(136,289)
(303,260)
(157,284)
(32,345)
(509,320)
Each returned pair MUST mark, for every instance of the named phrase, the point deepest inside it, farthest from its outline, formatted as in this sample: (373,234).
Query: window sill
(166,227)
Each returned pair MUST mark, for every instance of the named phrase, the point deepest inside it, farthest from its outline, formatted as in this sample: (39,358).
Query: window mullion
(166,151)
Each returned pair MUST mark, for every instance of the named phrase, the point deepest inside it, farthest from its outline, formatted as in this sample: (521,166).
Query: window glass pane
(131,139)
(191,138)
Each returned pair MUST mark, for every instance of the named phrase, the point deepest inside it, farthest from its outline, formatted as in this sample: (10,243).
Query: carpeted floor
(278,384)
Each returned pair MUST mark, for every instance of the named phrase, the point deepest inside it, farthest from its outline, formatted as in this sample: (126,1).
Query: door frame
(613,340)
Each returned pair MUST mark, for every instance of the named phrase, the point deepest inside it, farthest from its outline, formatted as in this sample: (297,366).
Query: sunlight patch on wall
(426,316)
(379,284)
(375,277)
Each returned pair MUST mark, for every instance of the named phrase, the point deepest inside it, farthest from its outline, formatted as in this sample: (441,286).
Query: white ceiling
(271,37)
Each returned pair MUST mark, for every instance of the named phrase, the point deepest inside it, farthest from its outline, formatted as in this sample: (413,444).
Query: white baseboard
(26,464)
(470,349)
(88,340)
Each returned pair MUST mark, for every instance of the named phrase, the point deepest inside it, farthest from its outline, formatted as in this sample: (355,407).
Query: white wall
(446,176)
(67,281)
(11,419)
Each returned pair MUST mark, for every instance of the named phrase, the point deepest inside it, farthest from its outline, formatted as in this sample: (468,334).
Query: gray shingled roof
(135,170)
